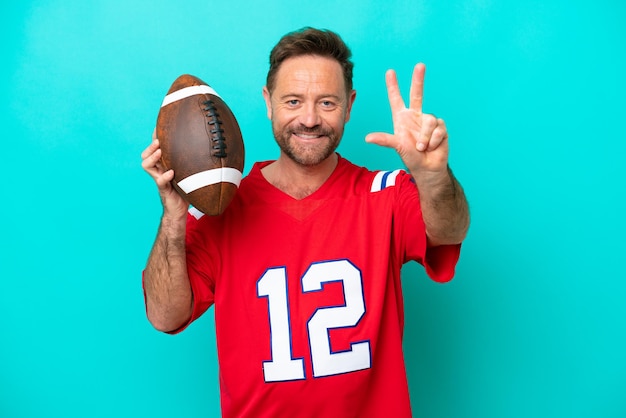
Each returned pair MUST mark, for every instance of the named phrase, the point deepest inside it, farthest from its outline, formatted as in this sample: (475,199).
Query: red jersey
(307,293)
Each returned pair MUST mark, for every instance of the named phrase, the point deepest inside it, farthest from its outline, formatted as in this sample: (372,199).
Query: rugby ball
(201,141)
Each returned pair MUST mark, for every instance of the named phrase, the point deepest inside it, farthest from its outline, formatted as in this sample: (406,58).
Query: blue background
(532,92)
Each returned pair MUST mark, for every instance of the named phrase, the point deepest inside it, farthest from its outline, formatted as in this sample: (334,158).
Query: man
(304,266)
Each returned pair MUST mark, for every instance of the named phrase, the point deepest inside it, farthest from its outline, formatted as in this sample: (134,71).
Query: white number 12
(282,366)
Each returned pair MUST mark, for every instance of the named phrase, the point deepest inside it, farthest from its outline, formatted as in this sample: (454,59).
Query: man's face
(309,108)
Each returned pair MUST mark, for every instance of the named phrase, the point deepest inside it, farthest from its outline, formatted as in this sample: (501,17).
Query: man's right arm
(169,299)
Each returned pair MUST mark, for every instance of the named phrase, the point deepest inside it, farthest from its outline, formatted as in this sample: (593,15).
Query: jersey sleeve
(439,262)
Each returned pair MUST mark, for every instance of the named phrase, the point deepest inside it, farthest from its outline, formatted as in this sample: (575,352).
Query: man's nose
(310,116)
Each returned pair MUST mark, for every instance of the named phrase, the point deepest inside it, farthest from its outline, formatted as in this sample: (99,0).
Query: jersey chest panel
(309,293)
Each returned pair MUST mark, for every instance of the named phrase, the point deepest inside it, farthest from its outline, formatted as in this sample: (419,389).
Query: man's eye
(293,102)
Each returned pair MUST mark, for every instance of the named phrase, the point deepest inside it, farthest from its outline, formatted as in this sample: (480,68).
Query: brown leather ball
(201,141)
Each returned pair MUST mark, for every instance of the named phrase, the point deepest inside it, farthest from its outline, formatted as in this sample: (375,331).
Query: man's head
(310,41)
(309,94)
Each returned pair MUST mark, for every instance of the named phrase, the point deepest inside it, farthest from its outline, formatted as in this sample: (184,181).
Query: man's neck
(296,180)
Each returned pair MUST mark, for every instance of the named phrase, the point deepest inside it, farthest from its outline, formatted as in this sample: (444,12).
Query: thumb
(381,138)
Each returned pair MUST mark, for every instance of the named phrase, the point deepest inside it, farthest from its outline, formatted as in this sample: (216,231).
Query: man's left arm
(421,140)
(444,209)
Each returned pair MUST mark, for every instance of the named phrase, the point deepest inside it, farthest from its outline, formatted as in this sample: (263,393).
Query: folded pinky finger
(439,135)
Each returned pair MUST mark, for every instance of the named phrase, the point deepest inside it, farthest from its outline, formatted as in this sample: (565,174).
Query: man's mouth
(309,135)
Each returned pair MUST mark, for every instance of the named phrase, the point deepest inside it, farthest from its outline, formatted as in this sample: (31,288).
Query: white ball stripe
(209,177)
(187,92)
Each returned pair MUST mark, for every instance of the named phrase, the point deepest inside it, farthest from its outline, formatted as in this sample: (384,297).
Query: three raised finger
(416,93)
(393,92)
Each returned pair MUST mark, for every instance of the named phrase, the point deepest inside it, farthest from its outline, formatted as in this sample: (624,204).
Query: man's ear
(268,102)
(351,99)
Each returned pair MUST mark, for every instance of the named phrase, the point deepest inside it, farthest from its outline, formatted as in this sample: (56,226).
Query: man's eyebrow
(331,96)
(286,95)
(300,96)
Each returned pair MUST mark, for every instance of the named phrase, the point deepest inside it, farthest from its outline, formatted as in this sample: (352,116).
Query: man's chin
(309,157)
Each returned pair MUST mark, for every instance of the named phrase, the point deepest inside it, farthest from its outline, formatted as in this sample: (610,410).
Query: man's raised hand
(420,139)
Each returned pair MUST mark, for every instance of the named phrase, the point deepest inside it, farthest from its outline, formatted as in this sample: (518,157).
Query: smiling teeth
(305,136)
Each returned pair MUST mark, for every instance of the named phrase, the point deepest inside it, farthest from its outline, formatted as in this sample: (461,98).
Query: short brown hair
(310,41)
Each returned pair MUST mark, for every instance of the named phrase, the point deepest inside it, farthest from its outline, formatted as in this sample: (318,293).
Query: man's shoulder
(371,181)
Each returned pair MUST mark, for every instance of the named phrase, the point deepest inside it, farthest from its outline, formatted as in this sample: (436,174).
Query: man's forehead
(310,72)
